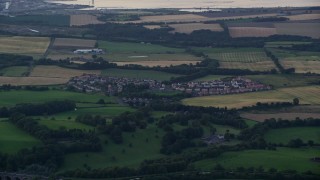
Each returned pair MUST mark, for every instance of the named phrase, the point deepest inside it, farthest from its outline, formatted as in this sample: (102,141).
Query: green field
(123,154)
(141,74)
(63,124)
(123,51)
(14,71)
(276,44)
(284,135)
(306,95)
(281,159)
(13,139)
(10,98)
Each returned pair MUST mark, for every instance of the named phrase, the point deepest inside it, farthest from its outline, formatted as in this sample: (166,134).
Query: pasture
(73,43)
(190,27)
(83,19)
(156,63)
(13,139)
(14,71)
(237,32)
(140,74)
(63,124)
(288,116)
(281,159)
(301,17)
(31,46)
(306,95)
(10,98)
(284,135)
(23,81)
(302,66)
(299,29)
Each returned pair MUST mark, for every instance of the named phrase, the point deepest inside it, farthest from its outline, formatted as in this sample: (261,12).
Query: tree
(296,101)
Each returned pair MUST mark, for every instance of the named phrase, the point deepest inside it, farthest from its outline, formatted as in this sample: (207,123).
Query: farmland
(288,116)
(300,29)
(22,81)
(284,135)
(281,159)
(14,71)
(156,63)
(73,43)
(236,32)
(140,74)
(300,17)
(32,46)
(307,95)
(13,139)
(83,19)
(190,27)
(51,20)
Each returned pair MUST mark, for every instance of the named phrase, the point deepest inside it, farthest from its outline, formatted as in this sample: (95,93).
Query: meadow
(306,95)
(284,135)
(72,42)
(190,27)
(22,81)
(13,139)
(141,74)
(237,32)
(298,29)
(14,71)
(281,159)
(32,46)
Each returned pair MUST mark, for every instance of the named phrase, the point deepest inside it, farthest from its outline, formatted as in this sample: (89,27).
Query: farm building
(88,51)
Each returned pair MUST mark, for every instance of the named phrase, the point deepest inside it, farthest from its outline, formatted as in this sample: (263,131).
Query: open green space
(53,20)
(306,95)
(11,98)
(281,159)
(140,74)
(284,135)
(14,71)
(145,144)
(13,139)
(57,124)
(276,44)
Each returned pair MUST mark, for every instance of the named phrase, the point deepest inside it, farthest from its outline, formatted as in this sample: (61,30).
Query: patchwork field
(83,19)
(299,29)
(236,32)
(14,71)
(73,43)
(32,46)
(306,95)
(302,66)
(190,27)
(281,159)
(156,63)
(240,58)
(284,135)
(21,81)
(13,139)
(276,44)
(138,74)
(288,116)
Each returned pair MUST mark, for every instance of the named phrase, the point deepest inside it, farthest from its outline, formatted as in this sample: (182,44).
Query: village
(91,83)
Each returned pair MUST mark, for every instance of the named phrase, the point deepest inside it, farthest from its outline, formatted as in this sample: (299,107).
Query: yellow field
(254,66)
(251,32)
(190,27)
(156,63)
(152,26)
(33,46)
(302,66)
(20,81)
(299,29)
(83,19)
(303,17)
(59,72)
(306,95)
(71,42)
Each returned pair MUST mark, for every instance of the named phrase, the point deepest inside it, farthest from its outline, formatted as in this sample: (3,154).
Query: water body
(153,4)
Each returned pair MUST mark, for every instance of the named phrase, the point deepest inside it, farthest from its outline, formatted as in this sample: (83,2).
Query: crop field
(13,139)
(288,116)
(302,66)
(14,71)
(152,26)
(120,154)
(281,159)
(23,81)
(306,95)
(10,98)
(300,17)
(83,19)
(121,51)
(140,74)
(59,72)
(299,29)
(32,46)
(74,43)
(276,44)
(236,32)
(156,63)
(190,27)
(284,135)
(240,58)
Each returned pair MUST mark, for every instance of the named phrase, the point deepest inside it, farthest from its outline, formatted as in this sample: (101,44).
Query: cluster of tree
(7,60)
(272,105)
(7,87)
(91,120)
(278,64)
(47,108)
(270,19)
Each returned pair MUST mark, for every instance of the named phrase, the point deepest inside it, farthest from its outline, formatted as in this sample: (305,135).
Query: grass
(64,124)
(282,159)
(123,154)
(13,139)
(307,95)
(284,135)
(14,71)
(211,78)
(275,44)
(141,74)
(10,98)
(32,46)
